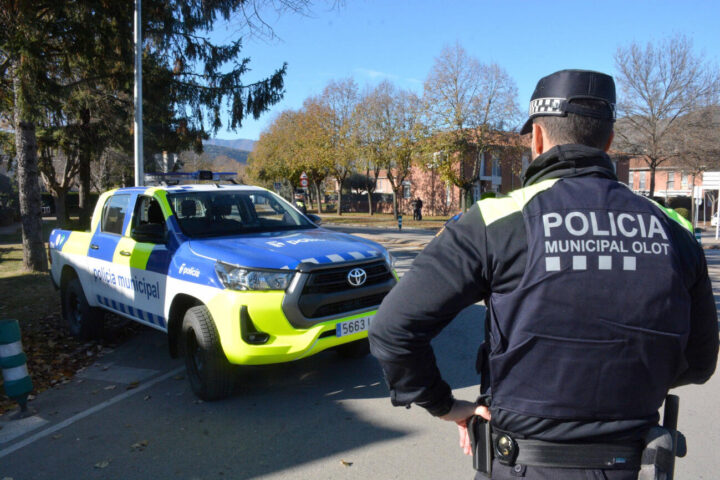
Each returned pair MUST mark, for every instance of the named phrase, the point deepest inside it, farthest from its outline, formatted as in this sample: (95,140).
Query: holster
(658,457)
(481,443)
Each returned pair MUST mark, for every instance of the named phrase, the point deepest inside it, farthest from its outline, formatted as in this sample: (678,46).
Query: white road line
(88,412)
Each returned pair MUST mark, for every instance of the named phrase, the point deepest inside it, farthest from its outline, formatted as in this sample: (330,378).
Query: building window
(406,189)
(631,177)
(496,171)
(642,181)
(448,194)
(684,180)
(671,181)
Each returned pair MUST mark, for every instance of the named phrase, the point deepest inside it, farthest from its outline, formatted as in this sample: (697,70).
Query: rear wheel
(211,376)
(82,320)
(356,349)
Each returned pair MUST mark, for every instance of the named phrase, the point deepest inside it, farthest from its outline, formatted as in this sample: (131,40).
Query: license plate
(352,326)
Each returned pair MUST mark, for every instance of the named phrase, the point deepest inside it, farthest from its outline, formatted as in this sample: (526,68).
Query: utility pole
(139,165)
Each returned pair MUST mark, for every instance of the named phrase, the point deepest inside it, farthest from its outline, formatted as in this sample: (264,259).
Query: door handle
(93,246)
(124,253)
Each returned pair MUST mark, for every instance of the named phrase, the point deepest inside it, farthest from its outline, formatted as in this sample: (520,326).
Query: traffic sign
(303,180)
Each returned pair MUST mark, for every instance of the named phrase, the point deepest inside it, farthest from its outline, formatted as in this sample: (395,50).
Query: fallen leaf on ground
(346,464)
(102,464)
(139,445)
(132,385)
(111,387)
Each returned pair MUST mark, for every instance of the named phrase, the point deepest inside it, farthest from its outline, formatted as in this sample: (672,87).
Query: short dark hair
(573,128)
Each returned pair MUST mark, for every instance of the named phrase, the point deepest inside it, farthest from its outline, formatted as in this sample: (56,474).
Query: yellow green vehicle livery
(235,275)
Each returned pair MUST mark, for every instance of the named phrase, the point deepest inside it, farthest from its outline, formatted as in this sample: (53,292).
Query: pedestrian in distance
(417,209)
(598,302)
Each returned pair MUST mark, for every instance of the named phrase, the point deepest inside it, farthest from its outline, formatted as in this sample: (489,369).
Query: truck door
(104,286)
(142,261)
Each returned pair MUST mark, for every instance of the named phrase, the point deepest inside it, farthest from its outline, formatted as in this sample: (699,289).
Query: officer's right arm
(446,277)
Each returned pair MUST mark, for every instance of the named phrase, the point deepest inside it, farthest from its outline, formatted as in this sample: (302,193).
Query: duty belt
(538,453)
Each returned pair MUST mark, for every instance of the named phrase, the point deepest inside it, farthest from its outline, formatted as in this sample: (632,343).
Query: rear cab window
(113,215)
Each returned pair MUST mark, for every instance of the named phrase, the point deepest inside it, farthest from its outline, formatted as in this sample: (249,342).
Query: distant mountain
(214,151)
(238,144)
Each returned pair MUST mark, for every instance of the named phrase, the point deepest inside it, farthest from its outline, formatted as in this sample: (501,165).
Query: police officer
(598,302)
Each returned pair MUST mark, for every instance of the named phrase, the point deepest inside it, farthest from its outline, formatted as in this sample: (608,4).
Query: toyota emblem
(356,277)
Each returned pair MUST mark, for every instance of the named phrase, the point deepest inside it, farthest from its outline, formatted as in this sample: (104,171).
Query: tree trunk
(653,167)
(60,211)
(395,203)
(319,200)
(340,185)
(84,171)
(370,205)
(28,178)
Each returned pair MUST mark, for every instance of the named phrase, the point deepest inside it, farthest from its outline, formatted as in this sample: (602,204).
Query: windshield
(222,213)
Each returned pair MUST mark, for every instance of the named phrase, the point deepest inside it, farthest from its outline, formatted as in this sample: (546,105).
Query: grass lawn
(30,298)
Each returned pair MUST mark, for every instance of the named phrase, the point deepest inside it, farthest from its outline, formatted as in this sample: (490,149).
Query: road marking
(16,428)
(88,412)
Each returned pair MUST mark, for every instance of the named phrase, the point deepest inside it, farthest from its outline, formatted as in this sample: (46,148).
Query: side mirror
(149,233)
(315,218)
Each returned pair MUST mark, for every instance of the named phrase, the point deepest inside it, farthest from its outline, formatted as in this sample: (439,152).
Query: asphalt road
(132,416)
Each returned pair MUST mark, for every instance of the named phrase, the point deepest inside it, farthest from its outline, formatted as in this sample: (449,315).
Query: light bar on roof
(176,177)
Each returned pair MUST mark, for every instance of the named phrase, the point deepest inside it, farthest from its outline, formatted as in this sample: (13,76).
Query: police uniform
(599,301)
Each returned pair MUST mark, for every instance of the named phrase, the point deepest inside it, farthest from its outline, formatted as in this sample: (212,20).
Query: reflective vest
(597,327)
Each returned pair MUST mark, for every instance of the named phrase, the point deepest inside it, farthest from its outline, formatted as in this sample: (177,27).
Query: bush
(684,212)
(679,202)
(7,216)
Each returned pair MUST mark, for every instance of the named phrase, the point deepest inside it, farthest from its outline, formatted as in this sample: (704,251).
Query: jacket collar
(569,161)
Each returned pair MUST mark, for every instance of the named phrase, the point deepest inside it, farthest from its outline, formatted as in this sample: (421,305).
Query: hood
(285,250)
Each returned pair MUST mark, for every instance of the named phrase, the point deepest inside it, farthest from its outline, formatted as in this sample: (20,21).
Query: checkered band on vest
(546,106)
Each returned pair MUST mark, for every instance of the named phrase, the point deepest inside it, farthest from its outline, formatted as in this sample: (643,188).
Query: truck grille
(327,292)
(328,281)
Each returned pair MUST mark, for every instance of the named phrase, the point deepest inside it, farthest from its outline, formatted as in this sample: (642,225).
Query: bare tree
(697,143)
(465,101)
(659,84)
(341,98)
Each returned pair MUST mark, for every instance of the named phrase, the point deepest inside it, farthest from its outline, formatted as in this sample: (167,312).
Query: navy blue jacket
(599,302)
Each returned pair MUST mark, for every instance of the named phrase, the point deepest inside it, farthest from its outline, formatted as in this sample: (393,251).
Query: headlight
(237,278)
(390,259)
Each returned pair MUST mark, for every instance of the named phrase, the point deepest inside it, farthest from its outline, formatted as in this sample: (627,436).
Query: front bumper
(285,342)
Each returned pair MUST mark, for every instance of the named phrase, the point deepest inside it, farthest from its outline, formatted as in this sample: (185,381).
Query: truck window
(113,215)
(148,211)
(233,212)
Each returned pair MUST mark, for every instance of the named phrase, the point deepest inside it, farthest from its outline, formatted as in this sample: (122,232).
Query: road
(132,416)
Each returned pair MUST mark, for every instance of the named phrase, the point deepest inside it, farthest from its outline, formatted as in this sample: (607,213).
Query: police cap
(554,93)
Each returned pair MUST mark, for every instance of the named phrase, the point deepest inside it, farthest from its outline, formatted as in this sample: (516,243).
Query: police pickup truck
(234,274)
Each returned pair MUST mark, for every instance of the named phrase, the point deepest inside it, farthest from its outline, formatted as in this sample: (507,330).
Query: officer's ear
(538,140)
(609,142)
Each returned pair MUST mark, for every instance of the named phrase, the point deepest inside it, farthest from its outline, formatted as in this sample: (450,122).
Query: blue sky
(398,40)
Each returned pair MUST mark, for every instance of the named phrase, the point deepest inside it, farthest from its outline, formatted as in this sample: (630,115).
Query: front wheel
(356,349)
(83,321)
(211,375)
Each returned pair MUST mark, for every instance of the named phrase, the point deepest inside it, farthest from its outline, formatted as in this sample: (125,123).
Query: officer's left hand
(460,412)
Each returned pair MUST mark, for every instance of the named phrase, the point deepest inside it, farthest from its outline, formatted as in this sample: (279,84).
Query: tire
(83,321)
(211,376)
(356,349)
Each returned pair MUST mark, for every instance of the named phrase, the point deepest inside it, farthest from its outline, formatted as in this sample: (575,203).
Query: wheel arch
(67,274)
(180,304)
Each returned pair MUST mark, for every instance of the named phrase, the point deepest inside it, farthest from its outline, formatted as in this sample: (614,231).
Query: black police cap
(554,93)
